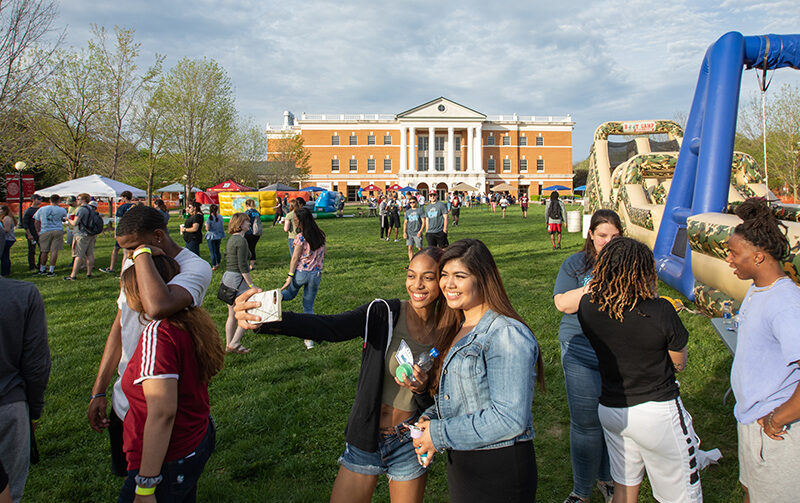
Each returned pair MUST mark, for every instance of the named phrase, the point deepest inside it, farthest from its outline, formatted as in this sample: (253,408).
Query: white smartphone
(270,309)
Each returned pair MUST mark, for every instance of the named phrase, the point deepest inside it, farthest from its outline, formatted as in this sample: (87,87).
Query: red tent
(230,186)
(395,187)
(371,187)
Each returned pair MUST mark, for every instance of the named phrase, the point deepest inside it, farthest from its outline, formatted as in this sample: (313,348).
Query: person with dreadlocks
(640,343)
(581,375)
(765,372)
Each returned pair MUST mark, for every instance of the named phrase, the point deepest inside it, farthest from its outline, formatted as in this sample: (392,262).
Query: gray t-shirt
(572,274)
(435,213)
(81,219)
(414,218)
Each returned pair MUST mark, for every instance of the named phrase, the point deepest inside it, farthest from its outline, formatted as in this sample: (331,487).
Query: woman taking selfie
(168,435)
(483,384)
(581,374)
(377,443)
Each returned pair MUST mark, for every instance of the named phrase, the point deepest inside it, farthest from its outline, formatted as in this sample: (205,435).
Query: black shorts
(456,212)
(437,239)
(394,220)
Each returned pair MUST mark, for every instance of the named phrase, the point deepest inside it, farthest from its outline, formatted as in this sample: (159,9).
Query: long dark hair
(479,261)
(762,229)
(309,228)
(598,217)
(193,320)
(213,212)
(625,273)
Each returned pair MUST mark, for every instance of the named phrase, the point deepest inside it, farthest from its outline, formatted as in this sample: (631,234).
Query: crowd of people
(621,348)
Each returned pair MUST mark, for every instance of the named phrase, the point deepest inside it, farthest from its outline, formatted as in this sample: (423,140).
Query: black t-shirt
(193,236)
(635,366)
(3,478)
(29,223)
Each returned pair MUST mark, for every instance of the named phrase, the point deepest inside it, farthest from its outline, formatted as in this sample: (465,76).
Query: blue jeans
(213,249)
(309,280)
(194,247)
(180,476)
(5,260)
(587,445)
(291,247)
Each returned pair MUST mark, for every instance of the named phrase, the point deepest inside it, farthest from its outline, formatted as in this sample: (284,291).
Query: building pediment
(441,108)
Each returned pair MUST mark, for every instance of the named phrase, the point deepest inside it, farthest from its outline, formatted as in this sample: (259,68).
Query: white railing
(529,118)
(346,117)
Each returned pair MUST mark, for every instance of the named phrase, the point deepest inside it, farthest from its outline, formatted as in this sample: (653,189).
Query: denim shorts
(395,457)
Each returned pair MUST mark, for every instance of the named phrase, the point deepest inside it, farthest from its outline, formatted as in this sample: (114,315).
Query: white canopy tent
(176,187)
(94,185)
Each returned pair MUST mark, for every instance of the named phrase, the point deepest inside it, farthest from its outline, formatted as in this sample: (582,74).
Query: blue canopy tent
(556,187)
(407,189)
(580,188)
(314,189)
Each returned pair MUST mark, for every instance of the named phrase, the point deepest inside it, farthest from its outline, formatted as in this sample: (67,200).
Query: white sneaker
(309,343)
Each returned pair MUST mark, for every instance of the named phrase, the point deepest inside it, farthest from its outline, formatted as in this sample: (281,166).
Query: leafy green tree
(150,130)
(288,160)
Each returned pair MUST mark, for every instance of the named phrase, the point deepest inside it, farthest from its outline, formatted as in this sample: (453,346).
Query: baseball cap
(37,197)
(93,204)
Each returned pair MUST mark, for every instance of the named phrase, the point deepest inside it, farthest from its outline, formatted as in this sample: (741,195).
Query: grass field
(281,410)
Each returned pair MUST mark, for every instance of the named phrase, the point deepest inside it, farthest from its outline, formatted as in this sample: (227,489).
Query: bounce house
(678,194)
(267,200)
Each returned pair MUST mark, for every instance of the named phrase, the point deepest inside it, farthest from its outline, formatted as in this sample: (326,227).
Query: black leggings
(504,474)
(252,239)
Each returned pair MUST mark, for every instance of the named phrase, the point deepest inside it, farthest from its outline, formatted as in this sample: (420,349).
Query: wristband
(291,275)
(141,250)
(96,395)
(251,285)
(145,491)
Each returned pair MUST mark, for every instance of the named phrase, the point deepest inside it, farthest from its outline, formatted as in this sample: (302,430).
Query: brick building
(433,146)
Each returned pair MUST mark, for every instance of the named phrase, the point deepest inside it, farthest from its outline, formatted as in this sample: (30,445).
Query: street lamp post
(19,166)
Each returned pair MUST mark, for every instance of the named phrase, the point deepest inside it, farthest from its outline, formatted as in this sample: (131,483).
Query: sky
(596,61)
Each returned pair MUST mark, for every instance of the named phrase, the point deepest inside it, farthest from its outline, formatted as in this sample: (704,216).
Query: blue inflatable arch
(702,174)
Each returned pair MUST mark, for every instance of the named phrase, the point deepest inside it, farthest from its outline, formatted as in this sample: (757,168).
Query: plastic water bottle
(425,360)
(416,433)
(727,314)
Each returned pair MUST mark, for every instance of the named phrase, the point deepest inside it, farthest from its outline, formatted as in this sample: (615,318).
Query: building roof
(441,108)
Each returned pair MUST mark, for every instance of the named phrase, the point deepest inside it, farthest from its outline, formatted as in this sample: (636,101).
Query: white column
(470,149)
(412,154)
(431,148)
(451,151)
(403,158)
(479,149)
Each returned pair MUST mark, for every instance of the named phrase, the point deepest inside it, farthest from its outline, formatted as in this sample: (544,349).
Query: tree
(580,171)
(121,84)
(288,160)
(197,100)
(149,127)
(67,110)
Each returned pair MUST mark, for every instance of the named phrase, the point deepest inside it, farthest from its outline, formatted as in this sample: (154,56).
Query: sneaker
(69,278)
(396,240)
(51,274)
(574,498)
(607,490)
(42,273)
(309,343)
(106,270)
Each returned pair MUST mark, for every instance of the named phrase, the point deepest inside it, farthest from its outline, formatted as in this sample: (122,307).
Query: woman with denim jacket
(483,385)
(378,439)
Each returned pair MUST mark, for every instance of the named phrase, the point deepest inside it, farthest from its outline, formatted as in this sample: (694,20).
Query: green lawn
(281,410)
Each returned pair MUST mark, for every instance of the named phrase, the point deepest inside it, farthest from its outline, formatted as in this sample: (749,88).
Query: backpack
(94,223)
(257,228)
(555,210)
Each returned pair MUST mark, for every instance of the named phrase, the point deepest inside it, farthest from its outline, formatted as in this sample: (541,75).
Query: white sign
(639,127)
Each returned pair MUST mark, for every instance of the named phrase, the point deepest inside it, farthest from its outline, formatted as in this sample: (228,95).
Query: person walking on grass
(383,214)
(236,276)
(31,234)
(377,436)
(288,224)
(8,224)
(84,240)
(215,232)
(143,232)
(412,227)
(126,203)
(192,229)
(393,208)
(50,227)
(435,224)
(640,345)
(72,208)
(765,376)
(253,234)
(523,204)
(24,372)
(555,212)
(504,203)
(582,380)
(168,433)
(455,208)
(305,268)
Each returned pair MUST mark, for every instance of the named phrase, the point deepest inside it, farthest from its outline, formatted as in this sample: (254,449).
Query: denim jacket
(486,388)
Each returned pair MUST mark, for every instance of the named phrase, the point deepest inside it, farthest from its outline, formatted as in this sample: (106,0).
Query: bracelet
(769,421)
(96,395)
(291,275)
(251,285)
(145,491)
(141,250)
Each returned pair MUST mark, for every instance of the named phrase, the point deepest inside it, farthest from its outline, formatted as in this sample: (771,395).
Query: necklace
(765,288)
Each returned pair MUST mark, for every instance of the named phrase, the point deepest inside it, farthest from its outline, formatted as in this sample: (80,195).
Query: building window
(371,139)
(539,165)
(353,139)
(422,143)
(422,163)
(335,139)
(439,163)
(439,143)
(387,140)
(523,165)
(523,141)
(353,165)
(458,142)
(490,140)
(335,165)
(352,193)
(490,165)
(458,164)
(370,165)
(539,141)
(506,165)
(506,140)
(387,165)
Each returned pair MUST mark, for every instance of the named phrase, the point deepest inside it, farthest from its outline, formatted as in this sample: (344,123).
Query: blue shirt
(414,218)
(51,217)
(572,274)
(216,228)
(765,373)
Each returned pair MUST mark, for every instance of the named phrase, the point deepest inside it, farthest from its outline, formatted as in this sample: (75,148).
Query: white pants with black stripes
(657,437)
